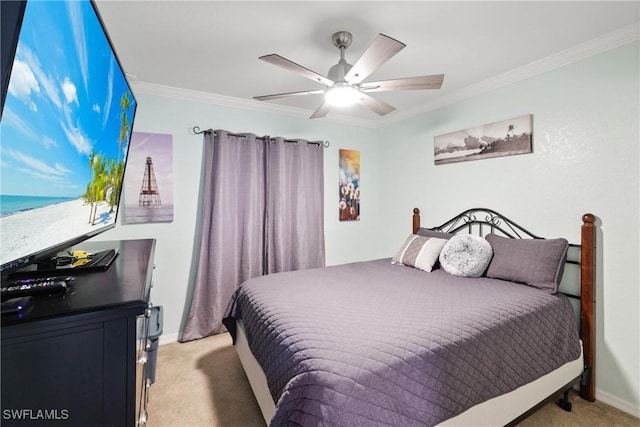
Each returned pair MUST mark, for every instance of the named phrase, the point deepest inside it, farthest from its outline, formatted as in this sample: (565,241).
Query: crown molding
(239,103)
(584,50)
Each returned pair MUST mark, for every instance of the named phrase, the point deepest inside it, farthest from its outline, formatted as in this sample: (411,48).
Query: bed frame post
(588,301)
(416,220)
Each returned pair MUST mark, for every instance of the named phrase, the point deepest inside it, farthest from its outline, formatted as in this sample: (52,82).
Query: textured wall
(585,159)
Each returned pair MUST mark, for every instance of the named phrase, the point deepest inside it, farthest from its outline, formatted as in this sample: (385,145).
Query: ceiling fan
(344,84)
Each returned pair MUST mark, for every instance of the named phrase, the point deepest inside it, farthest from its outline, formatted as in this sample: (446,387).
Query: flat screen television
(66,120)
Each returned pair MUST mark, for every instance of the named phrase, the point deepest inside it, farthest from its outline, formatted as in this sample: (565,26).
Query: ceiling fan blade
(321,111)
(379,52)
(278,60)
(284,95)
(409,83)
(375,105)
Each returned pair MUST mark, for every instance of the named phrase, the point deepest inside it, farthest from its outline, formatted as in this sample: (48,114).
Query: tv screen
(66,122)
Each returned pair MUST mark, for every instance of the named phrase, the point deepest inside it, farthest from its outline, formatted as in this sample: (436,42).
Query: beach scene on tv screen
(65,130)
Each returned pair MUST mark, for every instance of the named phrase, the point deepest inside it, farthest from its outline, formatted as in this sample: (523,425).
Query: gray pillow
(466,255)
(534,262)
(432,233)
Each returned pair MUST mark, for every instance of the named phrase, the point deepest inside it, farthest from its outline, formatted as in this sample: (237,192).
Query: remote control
(38,286)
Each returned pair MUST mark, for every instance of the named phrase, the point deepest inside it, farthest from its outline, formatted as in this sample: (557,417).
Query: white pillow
(466,255)
(419,252)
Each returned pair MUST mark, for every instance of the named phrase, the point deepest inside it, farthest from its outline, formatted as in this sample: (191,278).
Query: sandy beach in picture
(27,231)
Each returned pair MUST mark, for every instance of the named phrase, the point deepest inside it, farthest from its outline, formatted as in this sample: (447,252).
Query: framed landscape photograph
(504,138)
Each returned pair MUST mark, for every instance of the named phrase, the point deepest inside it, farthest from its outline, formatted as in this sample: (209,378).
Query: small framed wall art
(349,185)
(148,179)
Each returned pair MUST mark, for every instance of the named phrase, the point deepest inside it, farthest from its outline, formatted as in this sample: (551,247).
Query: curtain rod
(196,131)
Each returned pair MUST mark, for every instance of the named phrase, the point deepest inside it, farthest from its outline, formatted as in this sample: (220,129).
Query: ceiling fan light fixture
(346,84)
(342,96)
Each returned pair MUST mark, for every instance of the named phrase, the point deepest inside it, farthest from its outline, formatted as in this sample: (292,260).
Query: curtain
(262,212)
(295,206)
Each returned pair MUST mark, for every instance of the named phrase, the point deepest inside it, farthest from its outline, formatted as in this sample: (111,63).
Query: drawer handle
(142,419)
(142,359)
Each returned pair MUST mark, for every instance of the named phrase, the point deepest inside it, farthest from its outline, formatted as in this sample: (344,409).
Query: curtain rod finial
(196,131)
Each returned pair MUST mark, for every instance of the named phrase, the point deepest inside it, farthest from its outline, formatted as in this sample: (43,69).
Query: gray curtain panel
(262,212)
(294,229)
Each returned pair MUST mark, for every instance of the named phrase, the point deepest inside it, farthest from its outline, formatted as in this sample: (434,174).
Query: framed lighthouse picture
(148,179)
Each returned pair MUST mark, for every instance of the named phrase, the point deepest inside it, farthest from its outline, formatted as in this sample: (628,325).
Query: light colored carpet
(201,383)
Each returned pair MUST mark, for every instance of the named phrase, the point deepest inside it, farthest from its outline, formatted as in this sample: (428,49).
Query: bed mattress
(374,343)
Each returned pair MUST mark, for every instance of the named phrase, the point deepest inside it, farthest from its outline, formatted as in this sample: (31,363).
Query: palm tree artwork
(107,172)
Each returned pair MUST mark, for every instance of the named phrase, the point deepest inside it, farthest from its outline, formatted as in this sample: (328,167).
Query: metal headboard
(484,218)
(489,221)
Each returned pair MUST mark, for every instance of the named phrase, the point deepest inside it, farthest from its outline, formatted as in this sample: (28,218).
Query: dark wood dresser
(79,359)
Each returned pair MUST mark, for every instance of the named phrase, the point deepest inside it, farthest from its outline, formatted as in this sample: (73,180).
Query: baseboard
(617,403)
(168,338)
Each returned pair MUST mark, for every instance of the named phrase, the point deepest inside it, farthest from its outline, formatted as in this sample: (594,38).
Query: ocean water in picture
(135,214)
(13,204)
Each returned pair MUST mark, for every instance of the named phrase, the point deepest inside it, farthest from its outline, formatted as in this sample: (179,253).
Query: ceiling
(213,47)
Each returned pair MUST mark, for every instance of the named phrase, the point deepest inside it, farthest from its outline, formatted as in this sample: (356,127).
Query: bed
(413,341)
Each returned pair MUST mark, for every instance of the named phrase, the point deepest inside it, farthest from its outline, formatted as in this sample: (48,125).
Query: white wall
(173,276)
(585,159)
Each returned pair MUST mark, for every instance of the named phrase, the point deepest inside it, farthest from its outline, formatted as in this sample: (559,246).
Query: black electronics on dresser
(79,357)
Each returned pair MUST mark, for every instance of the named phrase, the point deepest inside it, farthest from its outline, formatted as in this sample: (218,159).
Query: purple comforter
(377,344)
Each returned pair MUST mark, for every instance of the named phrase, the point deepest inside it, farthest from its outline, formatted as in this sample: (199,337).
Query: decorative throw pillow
(419,252)
(534,262)
(466,255)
